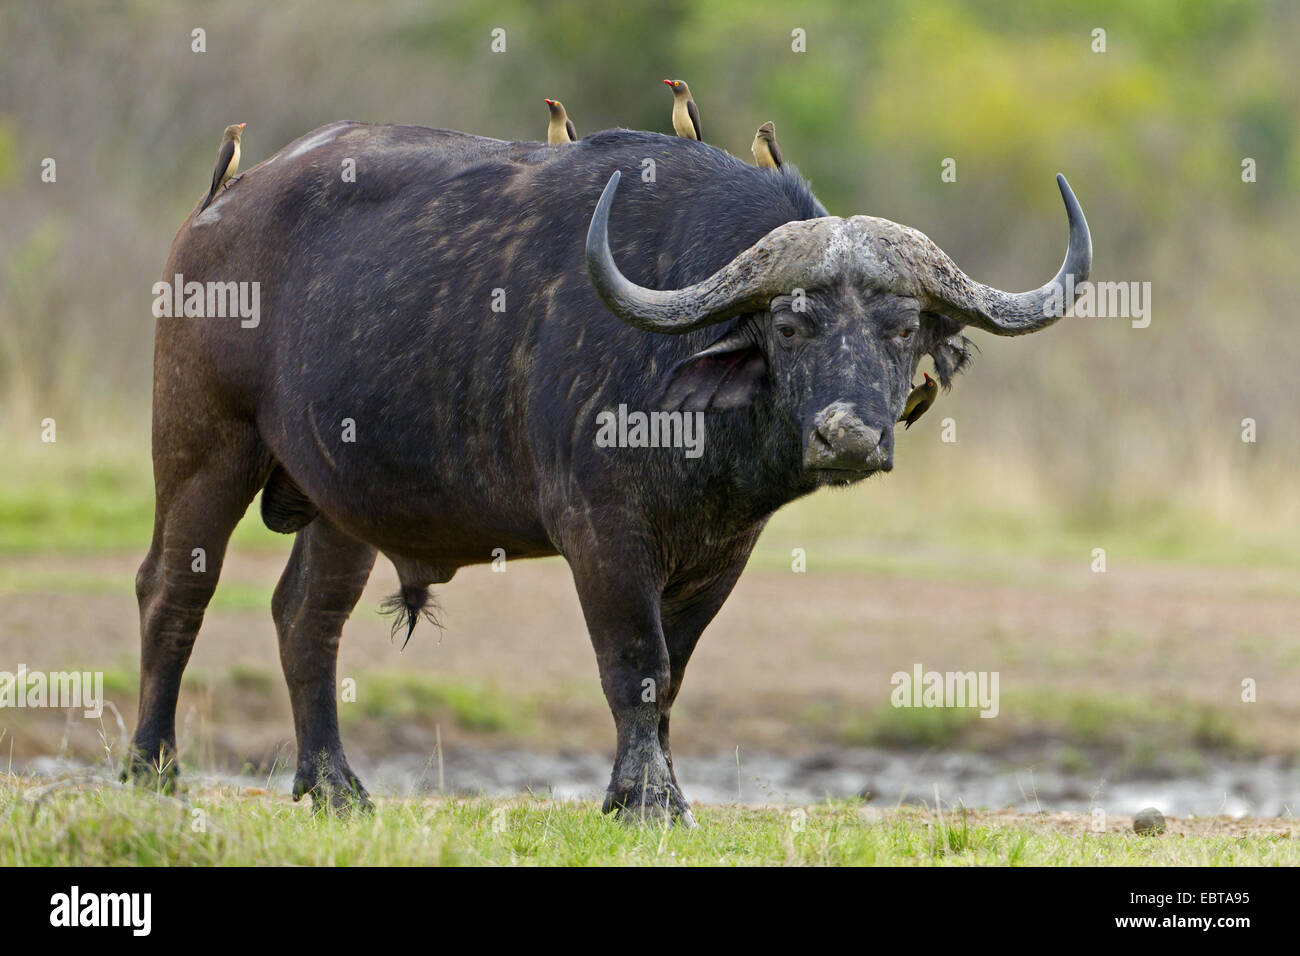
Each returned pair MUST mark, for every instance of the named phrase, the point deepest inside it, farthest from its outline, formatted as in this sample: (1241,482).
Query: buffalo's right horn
(780,261)
(927,272)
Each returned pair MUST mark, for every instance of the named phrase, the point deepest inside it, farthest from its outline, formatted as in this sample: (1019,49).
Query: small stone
(1149,821)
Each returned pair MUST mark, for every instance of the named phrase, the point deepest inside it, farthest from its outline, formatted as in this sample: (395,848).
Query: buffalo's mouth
(846,474)
(843,477)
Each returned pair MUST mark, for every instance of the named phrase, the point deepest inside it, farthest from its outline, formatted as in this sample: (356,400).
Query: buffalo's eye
(786,332)
(906,333)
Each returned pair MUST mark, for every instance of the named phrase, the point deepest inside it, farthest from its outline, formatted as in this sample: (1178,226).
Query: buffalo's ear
(952,352)
(727,374)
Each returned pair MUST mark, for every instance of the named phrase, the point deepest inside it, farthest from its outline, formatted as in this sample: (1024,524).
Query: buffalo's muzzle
(841,441)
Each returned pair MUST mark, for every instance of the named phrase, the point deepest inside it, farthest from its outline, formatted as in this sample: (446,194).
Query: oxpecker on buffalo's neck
(686,115)
(561,129)
(766,153)
(227,162)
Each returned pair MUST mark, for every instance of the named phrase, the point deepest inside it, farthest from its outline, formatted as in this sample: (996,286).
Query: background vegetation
(1094,426)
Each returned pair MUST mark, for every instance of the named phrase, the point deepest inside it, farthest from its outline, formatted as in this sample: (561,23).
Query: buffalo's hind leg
(320,586)
(201,492)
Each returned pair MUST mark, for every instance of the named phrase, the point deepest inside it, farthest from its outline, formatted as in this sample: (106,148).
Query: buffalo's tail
(407,607)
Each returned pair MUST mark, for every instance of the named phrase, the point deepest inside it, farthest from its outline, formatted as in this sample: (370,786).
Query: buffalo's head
(837,315)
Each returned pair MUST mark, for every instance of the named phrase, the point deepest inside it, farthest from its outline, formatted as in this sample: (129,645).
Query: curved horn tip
(597,231)
(1007,313)
(606,197)
(1067,194)
(1080,235)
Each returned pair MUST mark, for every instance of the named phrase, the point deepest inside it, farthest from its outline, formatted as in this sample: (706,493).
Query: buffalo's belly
(407,493)
(439,532)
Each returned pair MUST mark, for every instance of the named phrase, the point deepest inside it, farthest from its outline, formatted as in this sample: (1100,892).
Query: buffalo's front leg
(321,584)
(687,608)
(620,601)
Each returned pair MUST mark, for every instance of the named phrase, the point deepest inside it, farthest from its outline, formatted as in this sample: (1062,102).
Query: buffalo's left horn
(955,294)
(774,265)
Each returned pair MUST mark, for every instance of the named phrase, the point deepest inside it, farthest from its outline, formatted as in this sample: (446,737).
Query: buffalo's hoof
(158,773)
(334,788)
(651,805)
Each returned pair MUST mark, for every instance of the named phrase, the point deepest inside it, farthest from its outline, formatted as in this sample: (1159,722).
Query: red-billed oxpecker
(561,129)
(686,115)
(919,401)
(766,153)
(223,174)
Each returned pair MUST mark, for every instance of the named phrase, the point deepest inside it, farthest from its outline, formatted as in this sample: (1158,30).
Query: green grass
(229,596)
(382,697)
(936,533)
(103,824)
(65,501)
(1139,732)
(403,697)
(67,498)
(1127,733)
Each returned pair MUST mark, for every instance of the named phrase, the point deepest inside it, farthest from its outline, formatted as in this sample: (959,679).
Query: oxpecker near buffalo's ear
(686,115)
(766,153)
(223,174)
(561,129)
(919,401)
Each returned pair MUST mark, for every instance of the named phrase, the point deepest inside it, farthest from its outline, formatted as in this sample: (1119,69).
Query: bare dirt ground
(785,646)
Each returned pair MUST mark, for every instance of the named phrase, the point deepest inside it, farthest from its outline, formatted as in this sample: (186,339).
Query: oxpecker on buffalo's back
(227,165)
(766,153)
(686,115)
(560,129)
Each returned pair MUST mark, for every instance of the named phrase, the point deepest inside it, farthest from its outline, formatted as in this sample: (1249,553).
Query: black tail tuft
(409,605)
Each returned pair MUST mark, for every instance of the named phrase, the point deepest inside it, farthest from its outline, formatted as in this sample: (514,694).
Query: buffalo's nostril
(841,440)
(839,428)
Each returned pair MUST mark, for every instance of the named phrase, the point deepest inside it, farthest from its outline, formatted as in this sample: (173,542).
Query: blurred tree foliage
(1152,134)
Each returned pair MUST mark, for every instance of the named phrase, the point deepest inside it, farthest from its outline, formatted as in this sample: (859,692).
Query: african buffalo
(437,340)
